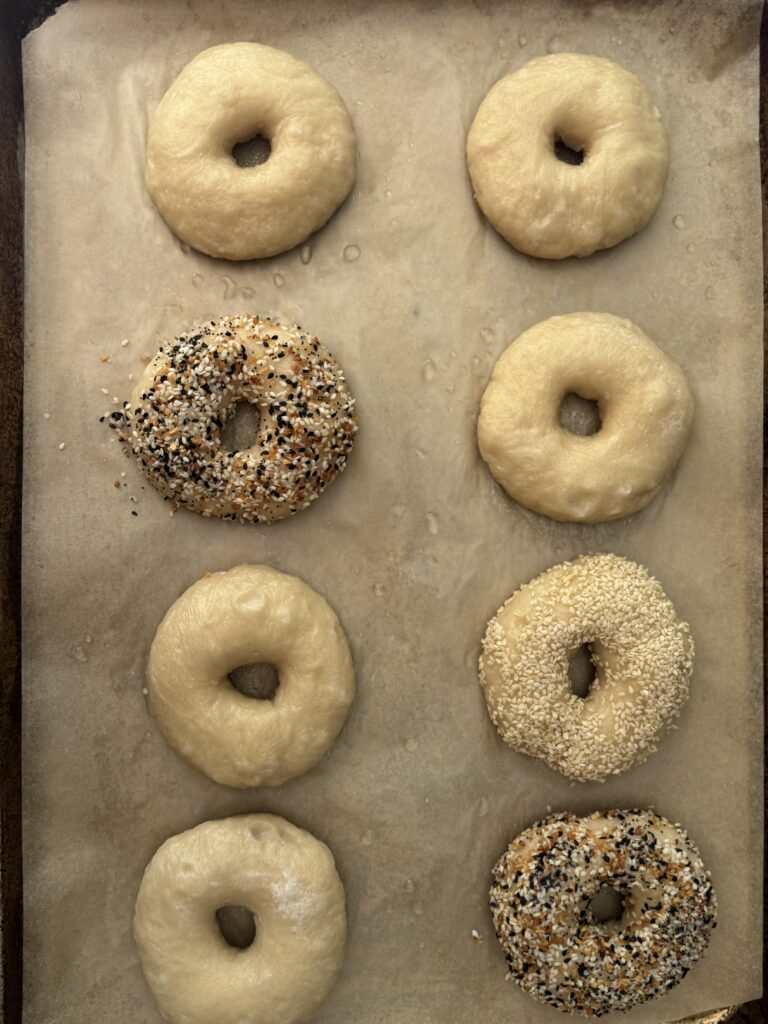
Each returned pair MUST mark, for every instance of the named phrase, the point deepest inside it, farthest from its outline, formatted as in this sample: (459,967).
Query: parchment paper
(415,546)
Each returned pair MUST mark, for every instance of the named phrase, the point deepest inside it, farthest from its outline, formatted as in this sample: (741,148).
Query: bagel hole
(567,154)
(581,671)
(607,905)
(237,926)
(259,681)
(580,416)
(241,429)
(252,152)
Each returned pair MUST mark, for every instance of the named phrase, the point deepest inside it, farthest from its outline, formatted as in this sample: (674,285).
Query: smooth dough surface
(251,614)
(646,412)
(229,94)
(286,877)
(551,209)
(641,651)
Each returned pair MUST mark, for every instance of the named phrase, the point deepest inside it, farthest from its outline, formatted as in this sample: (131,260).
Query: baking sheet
(415,546)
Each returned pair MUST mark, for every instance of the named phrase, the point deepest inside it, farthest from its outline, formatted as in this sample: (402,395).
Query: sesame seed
(641,651)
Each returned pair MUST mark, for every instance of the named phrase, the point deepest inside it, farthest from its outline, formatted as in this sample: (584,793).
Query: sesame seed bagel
(228,94)
(250,615)
(550,208)
(646,414)
(191,388)
(559,952)
(641,652)
(287,879)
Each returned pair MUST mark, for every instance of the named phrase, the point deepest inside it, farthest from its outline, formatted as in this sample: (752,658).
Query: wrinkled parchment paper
(415,546)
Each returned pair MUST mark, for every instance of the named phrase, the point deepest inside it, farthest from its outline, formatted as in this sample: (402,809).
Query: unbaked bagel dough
(641,651)
(229,94)
(251,614)
(558,952)
(646,412)
(286,877)
(192,387)
(542,205)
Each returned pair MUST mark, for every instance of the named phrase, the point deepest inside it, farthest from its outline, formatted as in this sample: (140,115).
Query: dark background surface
(17,17)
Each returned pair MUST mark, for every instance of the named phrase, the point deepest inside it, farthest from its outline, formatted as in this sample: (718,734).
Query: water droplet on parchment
(691,247)
(411,745)
(351,253)
(709,292)
(78,653)
(279,280)
(230,288)
(197,280)
(305,253)
(248,292)
(428,370)
(678,222)
(522,40)
(378,589)
(367,838)
(433,523)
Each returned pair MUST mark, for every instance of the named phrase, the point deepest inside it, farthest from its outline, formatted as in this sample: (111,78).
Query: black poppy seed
(652,854)
(207,477)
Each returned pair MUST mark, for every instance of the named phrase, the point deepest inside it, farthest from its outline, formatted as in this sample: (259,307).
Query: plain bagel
(229,94)
(646,413)
(286,878)
(549,208)
(251,614)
